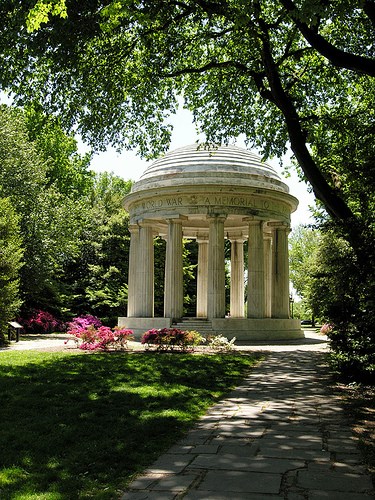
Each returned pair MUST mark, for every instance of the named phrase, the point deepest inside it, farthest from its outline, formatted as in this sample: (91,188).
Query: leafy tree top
(278,72)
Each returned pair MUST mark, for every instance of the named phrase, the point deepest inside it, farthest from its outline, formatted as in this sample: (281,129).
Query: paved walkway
(39,342)
(280,434)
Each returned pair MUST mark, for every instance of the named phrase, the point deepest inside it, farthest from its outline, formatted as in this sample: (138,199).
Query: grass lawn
(81,425)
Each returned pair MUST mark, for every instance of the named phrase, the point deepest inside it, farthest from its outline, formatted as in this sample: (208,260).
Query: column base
(141,325)
(264,329)
(244,329)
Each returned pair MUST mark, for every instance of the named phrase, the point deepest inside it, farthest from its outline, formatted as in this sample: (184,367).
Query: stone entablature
(201,200)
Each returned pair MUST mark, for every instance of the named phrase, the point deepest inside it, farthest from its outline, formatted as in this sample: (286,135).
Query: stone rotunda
(211,195)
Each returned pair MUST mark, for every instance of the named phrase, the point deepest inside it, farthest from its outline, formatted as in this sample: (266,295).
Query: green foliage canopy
(276,72)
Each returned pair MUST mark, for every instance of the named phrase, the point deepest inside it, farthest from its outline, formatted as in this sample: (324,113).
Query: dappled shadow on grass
(79,426)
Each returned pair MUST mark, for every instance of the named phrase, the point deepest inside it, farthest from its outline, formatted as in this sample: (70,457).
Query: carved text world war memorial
(211,195)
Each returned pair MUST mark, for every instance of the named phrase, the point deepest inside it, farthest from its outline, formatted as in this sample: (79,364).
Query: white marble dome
(196,164)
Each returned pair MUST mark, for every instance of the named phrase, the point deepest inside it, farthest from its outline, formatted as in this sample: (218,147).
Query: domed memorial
(212,195)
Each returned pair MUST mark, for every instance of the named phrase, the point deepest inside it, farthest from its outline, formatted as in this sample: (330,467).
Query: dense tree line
(63,231)
(329,278)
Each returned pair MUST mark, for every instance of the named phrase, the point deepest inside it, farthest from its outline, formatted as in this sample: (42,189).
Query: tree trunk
(334,204)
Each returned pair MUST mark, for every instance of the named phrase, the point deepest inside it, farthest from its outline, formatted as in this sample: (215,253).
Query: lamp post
(291,302)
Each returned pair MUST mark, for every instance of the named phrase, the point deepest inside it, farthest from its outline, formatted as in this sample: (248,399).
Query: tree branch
(337,57)
(207,67)
(333,203)
(369,9)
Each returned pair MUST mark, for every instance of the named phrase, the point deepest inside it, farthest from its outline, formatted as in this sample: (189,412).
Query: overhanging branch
(337,57)
(333,203)
(207,67)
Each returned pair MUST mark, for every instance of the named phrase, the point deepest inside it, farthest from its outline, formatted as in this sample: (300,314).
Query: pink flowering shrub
(172,338)
(326,328)
(41,322)
(102,338)
(85,321)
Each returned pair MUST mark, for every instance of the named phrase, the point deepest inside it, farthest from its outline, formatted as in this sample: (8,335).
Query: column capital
(254,222)
(202,239)
(236,237)
(218,216)
(279,225)
(133,228)
(177,218)
(146,223)
(149,223)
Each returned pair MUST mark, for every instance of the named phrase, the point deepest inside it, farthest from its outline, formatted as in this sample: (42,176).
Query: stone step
(200,325)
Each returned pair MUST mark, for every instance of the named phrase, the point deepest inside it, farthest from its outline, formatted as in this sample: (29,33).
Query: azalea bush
(172,338)
(89,334)
(326,328)
(84,321)
(41,322)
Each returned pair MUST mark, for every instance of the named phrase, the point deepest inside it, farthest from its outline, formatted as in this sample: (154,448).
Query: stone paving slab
(332,495)
(242,482)
(334,481)
(203,495)
(280,434)
(241,463)
(299,454)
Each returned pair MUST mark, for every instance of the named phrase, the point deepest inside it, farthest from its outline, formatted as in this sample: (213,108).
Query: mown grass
(80,426)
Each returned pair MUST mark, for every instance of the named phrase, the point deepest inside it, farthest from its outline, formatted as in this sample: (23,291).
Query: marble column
(256,293)
(173,287)
(280,271)
(237,305)
(202,277)
(132,273)
(216,268)
(144,307)
(267,242)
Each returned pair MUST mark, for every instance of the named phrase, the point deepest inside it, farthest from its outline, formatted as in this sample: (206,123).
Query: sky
(130,166)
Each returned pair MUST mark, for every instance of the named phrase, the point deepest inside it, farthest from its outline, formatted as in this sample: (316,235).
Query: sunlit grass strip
(80,426)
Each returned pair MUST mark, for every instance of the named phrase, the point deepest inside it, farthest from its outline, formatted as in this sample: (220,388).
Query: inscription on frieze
(236,201)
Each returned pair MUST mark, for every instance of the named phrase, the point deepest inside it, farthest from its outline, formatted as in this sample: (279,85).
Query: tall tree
(303,243)
(50,222)
(95,279)
(339,292)
(10,264)
(66,169)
